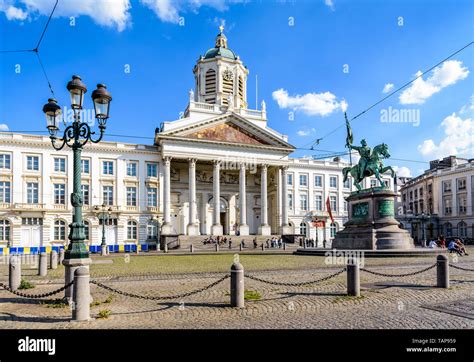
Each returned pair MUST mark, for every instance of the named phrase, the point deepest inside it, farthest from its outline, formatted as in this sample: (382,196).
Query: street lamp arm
(102,130)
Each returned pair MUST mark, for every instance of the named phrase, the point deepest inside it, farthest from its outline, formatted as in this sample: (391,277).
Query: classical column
(264,228)
(243,227)
(216,228)
(285,226)
(193,227)
(166,228)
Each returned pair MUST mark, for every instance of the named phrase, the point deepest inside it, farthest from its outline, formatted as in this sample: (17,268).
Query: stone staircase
(197,241)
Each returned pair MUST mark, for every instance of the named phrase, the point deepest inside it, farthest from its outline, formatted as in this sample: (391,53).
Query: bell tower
(220,76)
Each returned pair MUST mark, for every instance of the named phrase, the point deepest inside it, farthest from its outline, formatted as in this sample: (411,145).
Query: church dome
(220,48)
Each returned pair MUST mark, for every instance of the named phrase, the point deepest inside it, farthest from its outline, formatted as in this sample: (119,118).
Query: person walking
(324,243)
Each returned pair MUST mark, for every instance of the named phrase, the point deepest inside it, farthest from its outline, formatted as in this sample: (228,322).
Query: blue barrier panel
(34,250)
(127,248)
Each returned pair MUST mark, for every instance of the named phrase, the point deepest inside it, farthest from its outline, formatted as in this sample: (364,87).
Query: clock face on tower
(227,74)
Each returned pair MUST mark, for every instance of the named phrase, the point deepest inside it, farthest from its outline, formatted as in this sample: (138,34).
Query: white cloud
(387,87)
(4,127)
(312,104)
(13,13)
(402,171)
(468,108)
(104,12)
(458,139)
(329,3)
(169,10)
(450,72)
(303,133)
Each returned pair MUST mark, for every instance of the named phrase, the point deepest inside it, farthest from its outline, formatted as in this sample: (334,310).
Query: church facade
(218,170)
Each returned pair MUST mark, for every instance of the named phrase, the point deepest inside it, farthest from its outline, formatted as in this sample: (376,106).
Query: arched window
(132,230)
(448,229)
(303,229)
(86,230)
(152,230)
(210,86)
(462,229)
(60,230)
(333,229)
(4,230)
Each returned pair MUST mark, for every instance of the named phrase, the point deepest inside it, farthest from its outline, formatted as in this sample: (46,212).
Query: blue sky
(311,57)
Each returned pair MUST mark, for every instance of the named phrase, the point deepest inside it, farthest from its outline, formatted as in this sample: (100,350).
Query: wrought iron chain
(147,297)
(400,275)
(36,296)
(287,284)
(461,268)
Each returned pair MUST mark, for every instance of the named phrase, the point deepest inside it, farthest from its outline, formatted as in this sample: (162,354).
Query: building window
(5,161)
(421,192)
(85,194)
(108,195)
(151,170)
(422,206)
(345,206)
(85,166)
(303,180)
(318,203)
(151,231)
(59,164)
(446,186)
(60,194)
(4,230)
(448,229)
(59,230)
(131,196)
(86,230)
(333,229)
(373,183)
(132,169)
(304,202)
(290,201)
(333,182)
(387,184)
(303,229)
(416,194)
(32,194)
(461,184)
(289,179)
(333,203)
(132,230)
(152,199)
(32,163)
(32,221)
(107,167)
(5,192)
(462,204)
(318,181)
(347,183)
(462,229)
(447,207)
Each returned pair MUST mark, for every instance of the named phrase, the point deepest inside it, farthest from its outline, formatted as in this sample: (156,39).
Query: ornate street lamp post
(104,216)
(76,136)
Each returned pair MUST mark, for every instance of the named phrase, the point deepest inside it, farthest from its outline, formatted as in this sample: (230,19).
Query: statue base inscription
(372,224)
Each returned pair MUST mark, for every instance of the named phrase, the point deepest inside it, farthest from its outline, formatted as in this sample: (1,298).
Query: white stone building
(218,170)
(441,200)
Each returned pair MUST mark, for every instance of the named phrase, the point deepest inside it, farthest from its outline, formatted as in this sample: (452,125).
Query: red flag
(328,206)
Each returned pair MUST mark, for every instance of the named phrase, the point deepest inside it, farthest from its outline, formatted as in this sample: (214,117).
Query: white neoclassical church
(217,170)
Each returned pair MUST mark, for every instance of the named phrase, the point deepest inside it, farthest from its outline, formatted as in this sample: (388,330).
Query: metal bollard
(81,295)
(442,271)
(14,272)
(237,286)
(61,256)
(43,265)
(191,248)
(217,248)
(284,246)
(353,278)
(54,259)
(240,247)
(304,244)
(263,247)
(165,248)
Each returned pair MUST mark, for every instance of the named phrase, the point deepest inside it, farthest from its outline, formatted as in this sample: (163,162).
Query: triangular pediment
(227,132)
(231,129)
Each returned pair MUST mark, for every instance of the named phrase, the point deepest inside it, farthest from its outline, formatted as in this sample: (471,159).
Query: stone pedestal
(70,267)
(372,224)
(265,230)
(244,230)
(193,229)
(286,230)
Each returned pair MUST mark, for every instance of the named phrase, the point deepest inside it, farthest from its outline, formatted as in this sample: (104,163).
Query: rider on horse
(365,153)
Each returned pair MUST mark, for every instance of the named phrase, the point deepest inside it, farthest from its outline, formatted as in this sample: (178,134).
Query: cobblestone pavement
(385,303)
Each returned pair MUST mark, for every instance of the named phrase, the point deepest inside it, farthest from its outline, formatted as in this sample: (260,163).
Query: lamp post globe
(52,112)
(101,98)
(76,89)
